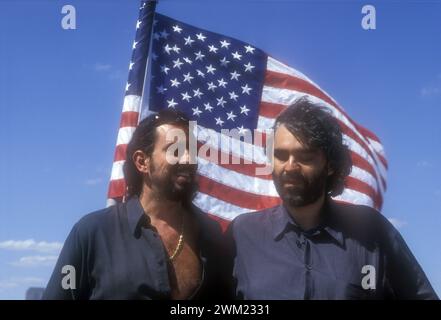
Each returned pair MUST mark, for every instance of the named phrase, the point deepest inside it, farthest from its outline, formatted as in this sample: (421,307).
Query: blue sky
(61,94)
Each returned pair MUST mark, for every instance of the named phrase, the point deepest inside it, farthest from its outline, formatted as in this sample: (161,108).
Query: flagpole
(146,88)
(133,95)
(147,15)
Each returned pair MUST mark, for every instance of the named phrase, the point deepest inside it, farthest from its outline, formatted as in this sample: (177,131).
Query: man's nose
(185,158)
(292,164)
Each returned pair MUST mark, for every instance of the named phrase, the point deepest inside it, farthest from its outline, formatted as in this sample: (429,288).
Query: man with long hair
(154,245)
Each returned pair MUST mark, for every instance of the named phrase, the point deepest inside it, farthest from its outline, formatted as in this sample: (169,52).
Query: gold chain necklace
(180,242)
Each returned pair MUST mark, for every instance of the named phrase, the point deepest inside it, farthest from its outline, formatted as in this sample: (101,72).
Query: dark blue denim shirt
(275,259)
(117,255)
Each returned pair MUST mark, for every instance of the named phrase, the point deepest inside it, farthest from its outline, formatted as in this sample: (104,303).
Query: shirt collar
(332,224)
(282,221)
(337,235)
(136,215)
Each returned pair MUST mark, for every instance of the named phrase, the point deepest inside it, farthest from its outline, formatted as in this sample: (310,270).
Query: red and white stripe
(129,121)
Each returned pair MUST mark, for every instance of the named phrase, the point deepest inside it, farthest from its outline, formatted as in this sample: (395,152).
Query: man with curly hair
(311,247)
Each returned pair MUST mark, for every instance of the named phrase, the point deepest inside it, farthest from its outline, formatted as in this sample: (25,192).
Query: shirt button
(308,266)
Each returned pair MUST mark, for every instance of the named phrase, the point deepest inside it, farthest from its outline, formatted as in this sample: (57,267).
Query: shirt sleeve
(69,280)
(403,272)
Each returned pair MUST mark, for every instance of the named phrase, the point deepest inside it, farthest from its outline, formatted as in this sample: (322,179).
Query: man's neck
(309,216)
(161,210)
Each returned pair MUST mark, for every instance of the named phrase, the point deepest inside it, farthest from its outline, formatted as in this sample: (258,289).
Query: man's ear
(141,161)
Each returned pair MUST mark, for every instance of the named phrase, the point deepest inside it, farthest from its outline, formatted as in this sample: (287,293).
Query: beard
(301,190)
(177,183)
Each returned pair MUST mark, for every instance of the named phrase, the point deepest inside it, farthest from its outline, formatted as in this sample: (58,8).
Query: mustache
(295,176)
(189,169)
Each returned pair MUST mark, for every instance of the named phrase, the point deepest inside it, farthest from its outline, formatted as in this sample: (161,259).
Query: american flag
(225,83)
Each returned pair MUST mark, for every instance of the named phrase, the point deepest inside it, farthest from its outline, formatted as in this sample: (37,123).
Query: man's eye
(305,158)
(281,155)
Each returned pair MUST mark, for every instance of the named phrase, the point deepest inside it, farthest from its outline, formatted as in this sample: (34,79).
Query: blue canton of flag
(215,80)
